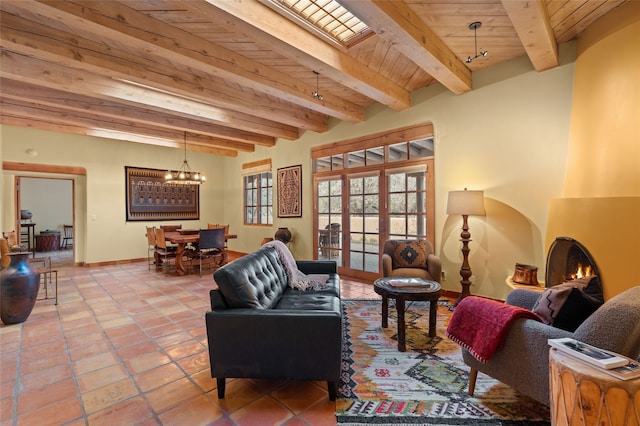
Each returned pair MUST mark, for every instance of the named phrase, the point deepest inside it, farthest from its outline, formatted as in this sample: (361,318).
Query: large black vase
(18,289)
(283,234)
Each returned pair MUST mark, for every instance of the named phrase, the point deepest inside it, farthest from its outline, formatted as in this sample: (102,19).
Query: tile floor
(127,346)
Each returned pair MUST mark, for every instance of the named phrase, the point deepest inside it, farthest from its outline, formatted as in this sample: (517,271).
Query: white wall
(49,200)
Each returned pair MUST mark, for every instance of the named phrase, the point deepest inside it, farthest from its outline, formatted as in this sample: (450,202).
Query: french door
(364,223)
(357,212)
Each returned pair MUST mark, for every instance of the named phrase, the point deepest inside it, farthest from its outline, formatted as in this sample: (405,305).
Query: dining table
(183,237)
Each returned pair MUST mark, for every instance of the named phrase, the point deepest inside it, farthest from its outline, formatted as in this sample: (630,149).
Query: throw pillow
(410,254)
(568,304)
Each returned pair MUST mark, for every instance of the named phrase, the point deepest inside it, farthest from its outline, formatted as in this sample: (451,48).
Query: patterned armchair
(410,258)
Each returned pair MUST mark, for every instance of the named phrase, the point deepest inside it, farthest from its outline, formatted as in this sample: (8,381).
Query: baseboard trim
(232,254)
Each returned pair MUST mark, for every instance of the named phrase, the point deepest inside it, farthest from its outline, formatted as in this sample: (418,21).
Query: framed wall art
(149,197)
(290,191)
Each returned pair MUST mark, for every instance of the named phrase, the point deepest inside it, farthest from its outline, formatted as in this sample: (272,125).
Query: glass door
(358,210)
(329,219)
(408,202)
(364,224)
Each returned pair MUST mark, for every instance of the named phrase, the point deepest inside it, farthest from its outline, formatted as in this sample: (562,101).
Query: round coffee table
(404,289)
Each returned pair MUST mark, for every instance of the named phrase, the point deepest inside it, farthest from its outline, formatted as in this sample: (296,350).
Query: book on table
(611,363)
(407,282)
(630,370)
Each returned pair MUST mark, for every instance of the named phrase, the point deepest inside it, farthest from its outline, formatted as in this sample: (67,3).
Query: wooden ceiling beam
(396,23)
(80,103)
(259,22)
(35,71)
(531,22)
(18,35)
(118,23)
(40,123)
(48,118)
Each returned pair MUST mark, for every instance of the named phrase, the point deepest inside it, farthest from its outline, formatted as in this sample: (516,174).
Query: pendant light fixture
(474,26)
(315,93)
(184,175)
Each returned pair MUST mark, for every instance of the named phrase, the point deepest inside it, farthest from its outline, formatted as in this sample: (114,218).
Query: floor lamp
(465,203)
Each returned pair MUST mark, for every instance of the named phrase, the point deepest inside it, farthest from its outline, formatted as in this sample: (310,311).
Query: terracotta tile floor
(126,345)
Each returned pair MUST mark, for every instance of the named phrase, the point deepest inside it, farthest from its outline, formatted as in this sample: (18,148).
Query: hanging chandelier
(184,175)
(474,26)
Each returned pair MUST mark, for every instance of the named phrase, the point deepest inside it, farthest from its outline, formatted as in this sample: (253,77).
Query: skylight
(327,16)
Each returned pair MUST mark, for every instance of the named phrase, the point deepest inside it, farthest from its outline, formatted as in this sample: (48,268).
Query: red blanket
(480,325)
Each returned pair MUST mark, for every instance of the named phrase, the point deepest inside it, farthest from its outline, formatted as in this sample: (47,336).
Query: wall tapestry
(290,191)
(150,198)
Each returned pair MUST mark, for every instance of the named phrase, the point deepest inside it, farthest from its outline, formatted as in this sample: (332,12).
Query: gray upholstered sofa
(523,361)
(260,327)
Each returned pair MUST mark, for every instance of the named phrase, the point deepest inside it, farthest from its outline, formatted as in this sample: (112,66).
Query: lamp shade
(466,203)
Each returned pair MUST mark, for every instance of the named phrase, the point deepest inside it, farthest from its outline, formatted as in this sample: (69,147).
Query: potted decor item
(19,288)
(525,274)
(283,234)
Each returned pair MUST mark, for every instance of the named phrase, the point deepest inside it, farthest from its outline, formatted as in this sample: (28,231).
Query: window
(407,202)
(326,18)
(371,189)
(258,193)
(376,155)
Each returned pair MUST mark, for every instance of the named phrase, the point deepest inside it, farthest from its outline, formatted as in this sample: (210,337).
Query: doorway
(49,203)
(370,189)
(357,212)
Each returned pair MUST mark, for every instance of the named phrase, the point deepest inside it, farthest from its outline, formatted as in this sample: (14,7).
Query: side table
(585,395)
(407,289)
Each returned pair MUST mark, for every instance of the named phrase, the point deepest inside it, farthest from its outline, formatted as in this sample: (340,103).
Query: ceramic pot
(25,214)
(19,288)
(283,234)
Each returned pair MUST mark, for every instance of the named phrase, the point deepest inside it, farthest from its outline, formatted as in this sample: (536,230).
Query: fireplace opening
(568,259)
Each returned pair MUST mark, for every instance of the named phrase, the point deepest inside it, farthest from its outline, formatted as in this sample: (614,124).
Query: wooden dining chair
(211,245)
(13,243)
(68,235)
(171,228)
(151,244)
(162,250)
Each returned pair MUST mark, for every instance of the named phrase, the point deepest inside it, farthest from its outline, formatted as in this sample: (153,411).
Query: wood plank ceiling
(234,74)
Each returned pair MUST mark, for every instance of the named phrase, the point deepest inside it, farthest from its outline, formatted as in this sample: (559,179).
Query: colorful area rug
(425,385)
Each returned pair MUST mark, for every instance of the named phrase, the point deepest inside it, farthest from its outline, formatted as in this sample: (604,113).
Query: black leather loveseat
(260,327)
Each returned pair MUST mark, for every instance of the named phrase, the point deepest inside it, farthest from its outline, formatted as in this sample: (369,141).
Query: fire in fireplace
(568,259)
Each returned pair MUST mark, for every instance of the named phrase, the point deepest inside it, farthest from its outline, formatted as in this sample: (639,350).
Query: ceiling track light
(315,93)
(474,26)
